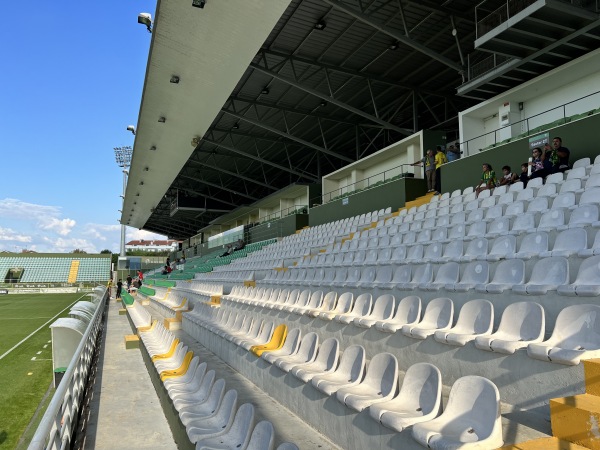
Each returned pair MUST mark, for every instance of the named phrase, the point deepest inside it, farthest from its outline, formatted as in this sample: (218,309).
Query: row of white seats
(567,243)
(138,315)
(548,274)
(522,324)
(225,277)
(417,403)
(209,413)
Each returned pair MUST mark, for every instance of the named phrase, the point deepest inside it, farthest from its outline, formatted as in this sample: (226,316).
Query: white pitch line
(25,339)
(33,359)
(39,353)
(45,345)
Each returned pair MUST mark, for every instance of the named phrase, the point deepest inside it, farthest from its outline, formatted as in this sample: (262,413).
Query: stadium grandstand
(323,295)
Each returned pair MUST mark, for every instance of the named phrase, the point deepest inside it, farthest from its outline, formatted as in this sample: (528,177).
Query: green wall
(394,194)
(580,137)
(278,228)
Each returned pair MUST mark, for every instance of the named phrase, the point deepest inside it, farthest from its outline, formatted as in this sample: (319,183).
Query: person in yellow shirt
(440,158)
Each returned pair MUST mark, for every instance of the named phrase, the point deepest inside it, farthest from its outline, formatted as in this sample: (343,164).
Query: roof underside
(306,102)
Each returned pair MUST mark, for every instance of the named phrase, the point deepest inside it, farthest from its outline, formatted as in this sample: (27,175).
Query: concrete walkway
(125,412)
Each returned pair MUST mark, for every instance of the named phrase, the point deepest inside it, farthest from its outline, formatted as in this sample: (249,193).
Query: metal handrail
(59,422)
(464,146)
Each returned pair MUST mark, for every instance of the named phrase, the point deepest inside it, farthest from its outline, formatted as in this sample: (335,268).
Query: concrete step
(577,419)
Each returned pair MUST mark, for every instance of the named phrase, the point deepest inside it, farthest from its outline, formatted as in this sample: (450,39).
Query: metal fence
(59,423)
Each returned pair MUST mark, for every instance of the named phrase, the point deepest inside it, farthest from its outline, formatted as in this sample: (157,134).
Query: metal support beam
(259,159)
(233,174)
(260,124)
(191,191)
(218,186)
(330,99)
(337,4)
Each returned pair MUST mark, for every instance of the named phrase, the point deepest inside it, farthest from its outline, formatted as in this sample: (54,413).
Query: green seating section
(207,262)
(160,283)
(147,291)
(55,269)
(127,298)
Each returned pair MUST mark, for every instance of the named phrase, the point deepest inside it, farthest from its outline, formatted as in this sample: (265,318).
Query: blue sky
(72,80)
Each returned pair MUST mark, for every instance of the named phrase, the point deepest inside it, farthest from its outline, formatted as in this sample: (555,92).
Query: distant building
(152,245)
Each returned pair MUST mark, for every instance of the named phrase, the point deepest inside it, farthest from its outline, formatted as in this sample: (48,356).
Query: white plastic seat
(362,307)
(327,305)
(576,336)
(456,232)
(535,183)
(515,209)
(290,346)
(263,436)
(402,275)
(524,223)
(576,173)
(526,194)
(593,250)
(477,229)
(562,201)
(236,436)
(587,282)
(452,251)
(547,275)
(567,243)
(555,178)
(516,187)
(438,315)
(582,216)
(508,273)
(383,309)
(476,318)
(502,247)
(398,255)
(571,185)
(325,362)
(446,274)
(181,390)
(538,204)
(383,276)
(475,273)
(343,305)
(379,384)
(476,248)
(407,312)
(493,213)
(422,274)
(419,399)
(217,424)
(532,245)
(206,408)
(522,323)
(349,372)
(432,252)
(306,353)
(414,254)
(590,196)
(188,401)
(471,418)
(499,227)
(547,190)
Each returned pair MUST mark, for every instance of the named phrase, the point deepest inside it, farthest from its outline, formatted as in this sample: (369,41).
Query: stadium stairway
(73,271)
(124,411)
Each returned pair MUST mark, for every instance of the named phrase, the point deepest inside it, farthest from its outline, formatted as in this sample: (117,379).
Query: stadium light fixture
(265,91)
(198,3)
(153,148)
(236,126)
(320,25)
(123,156)
(146,169)
(174,79)
(162,119)
(131,128)
(146,19)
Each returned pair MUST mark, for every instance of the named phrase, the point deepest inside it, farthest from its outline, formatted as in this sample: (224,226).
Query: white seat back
(439,313)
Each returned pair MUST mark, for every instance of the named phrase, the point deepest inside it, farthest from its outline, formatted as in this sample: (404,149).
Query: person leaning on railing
(428,161)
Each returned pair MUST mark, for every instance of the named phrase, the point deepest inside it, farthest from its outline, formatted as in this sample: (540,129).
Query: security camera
(195,141)
(198,3)
(146,19)
(131,128)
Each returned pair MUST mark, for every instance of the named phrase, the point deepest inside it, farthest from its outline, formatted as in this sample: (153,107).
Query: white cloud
(6,234)
(61,245)
(62,227)
(99,231)
(136,235)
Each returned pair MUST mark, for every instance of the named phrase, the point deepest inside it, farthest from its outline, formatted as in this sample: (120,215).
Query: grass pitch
(26,357)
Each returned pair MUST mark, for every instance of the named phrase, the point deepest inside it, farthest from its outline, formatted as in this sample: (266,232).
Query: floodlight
(146,19)
(198,3)
(131,128)
(174,79)
(320,25)
(123,156)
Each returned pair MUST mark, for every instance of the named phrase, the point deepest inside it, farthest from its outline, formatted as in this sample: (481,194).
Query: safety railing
(540,122)
(378,179)
(59,422)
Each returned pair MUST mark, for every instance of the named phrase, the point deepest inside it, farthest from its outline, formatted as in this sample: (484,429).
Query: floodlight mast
(123,158)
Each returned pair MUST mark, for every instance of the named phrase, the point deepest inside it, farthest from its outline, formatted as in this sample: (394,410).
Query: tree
(78,250)
(105,252)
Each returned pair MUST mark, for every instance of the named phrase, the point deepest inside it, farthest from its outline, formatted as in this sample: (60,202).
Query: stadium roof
(274,92)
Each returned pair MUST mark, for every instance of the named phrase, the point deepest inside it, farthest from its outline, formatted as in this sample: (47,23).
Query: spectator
(227,252)
(428,162)
(119,288)
(440,158)
(168,261)
(507,176)
(540,167)
(524,177)
(167,270)
(488,179)
(453,153)
(239,245)
(129,281)
(559,155)
(140,275)
(182,260)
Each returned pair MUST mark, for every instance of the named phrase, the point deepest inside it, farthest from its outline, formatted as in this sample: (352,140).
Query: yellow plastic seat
(180,371)
(276,342)
(169,353)
(147,329)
